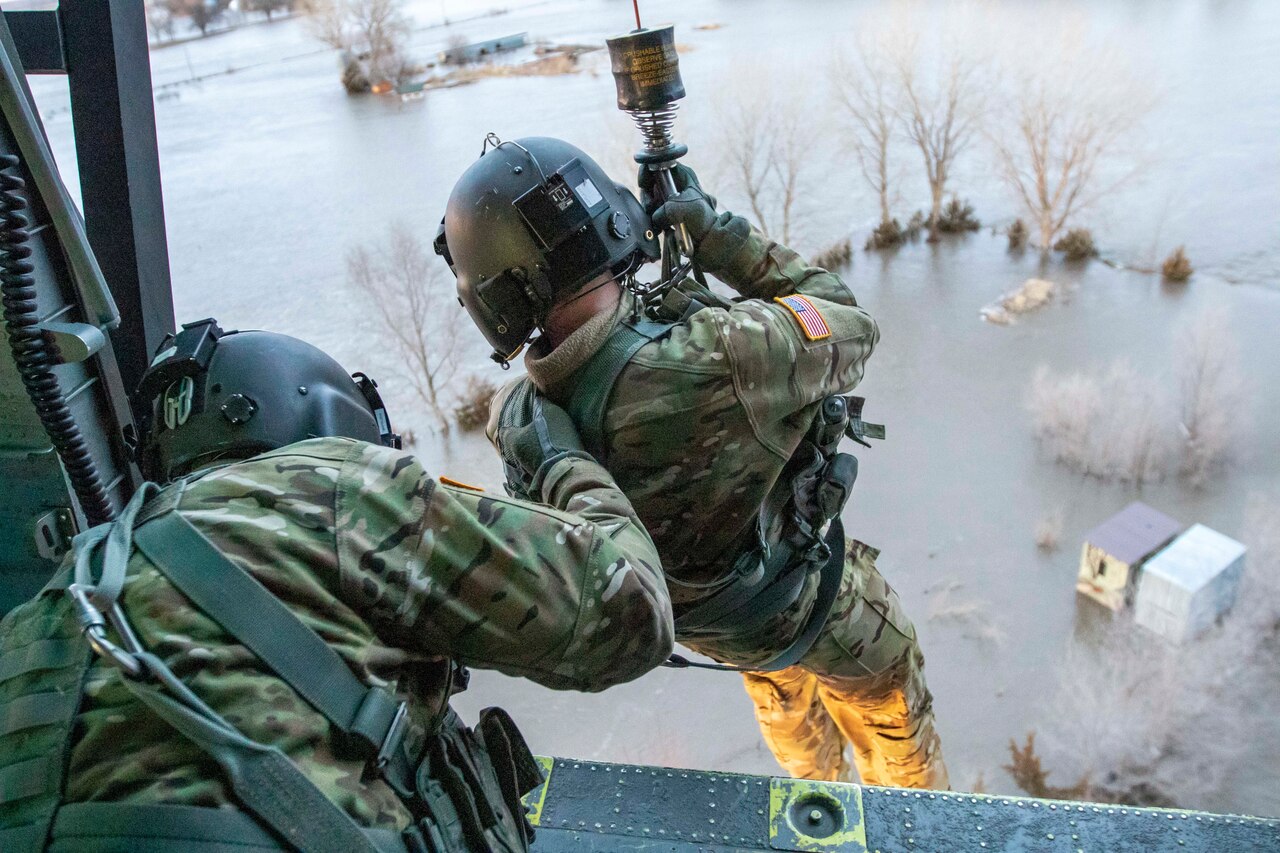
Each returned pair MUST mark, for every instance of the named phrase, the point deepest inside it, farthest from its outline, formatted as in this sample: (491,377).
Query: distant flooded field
(271,173)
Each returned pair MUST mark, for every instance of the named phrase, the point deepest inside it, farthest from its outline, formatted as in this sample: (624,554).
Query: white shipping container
(1188,585)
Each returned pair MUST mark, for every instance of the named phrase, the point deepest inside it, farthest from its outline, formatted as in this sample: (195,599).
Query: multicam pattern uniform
(697,431)
(396,572)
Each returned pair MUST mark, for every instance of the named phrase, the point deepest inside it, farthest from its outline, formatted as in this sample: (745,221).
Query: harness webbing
(828,589)
(263,778)
(37,709)
(162,828)
(261,622)
(42,654)
(29,778)
(777,572)
(593,384)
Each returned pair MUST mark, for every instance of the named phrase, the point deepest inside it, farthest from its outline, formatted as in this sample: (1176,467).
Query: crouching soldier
(259,653)
(719,419)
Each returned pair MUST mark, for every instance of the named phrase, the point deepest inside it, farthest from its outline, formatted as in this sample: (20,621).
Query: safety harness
(789,545)
(463,788)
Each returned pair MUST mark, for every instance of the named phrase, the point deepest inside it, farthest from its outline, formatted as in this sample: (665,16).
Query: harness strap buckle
(395,735)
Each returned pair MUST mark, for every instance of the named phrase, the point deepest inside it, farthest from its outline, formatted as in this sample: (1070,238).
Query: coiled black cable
(34,355)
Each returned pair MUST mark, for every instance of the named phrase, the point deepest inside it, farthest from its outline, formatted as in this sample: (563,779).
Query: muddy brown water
(270,173)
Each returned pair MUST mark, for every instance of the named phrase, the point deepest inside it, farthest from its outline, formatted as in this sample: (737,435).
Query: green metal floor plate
(901,820)
(593,807)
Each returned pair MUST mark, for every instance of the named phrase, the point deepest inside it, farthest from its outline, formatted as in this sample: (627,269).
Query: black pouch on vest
(513,764)
(835,484)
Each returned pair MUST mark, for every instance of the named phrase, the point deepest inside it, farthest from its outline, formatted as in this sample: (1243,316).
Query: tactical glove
(684,178)
(533,435)
(691,206)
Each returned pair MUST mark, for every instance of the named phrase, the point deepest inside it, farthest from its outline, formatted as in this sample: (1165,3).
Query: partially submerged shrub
(957,217)
(472,410)
(1211,394)
(1063,412)
(1177,267)
(886,235)
(1103,425)
(354,78)
(1076,244)
(1029,774)
(914,225)
(973,616)
(835,256)
(1120,424)
(1017,234)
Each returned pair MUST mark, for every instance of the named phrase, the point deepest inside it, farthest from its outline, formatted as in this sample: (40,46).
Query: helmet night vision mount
(210,393)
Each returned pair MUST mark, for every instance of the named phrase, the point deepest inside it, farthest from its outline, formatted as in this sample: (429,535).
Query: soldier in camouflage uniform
(404,576)
(701,428)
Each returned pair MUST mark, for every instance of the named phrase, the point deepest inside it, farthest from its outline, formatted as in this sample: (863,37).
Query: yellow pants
(862,683)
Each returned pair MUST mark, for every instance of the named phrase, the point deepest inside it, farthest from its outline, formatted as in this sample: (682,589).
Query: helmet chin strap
(625,276)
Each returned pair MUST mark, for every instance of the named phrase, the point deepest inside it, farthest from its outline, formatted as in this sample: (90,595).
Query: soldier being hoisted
(720,421)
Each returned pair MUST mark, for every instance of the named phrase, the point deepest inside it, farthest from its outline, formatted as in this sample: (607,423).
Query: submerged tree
(201,12)
(1211,393)
(266,7)
(864,88)
(1067,114)
(1103,423)
(764,137)
(160,21)
(375,30)
(939,105)
(402,282)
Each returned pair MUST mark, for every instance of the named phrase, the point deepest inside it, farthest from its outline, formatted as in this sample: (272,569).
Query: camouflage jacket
(397,572)
(702,421)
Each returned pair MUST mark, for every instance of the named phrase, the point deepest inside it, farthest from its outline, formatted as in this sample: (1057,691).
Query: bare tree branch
(938,103)
(864,89)
(377,29)
(765,144)
(1069,110)
(415,308)
(1211,393)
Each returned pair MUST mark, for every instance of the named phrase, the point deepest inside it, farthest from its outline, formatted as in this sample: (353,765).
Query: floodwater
(271,173)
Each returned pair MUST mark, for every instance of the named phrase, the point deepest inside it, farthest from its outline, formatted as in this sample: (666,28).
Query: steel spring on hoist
(36,356)
(655,127)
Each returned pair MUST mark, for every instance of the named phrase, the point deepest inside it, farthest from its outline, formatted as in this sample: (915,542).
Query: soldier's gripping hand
(685,178)
(691,207)
(533,435)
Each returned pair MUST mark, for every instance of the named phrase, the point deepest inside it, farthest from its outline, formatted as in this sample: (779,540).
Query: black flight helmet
(530,222)
(210,394)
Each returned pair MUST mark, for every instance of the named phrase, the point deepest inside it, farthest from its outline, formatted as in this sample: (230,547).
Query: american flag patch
(807,315)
